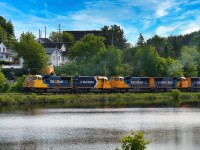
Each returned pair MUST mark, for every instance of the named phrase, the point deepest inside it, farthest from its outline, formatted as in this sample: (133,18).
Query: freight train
(103,84)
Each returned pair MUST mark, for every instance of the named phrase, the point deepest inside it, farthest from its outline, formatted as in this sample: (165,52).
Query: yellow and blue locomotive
(103,84)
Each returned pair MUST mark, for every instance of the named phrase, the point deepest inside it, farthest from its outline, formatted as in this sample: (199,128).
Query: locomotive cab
(118,84)
(184,84)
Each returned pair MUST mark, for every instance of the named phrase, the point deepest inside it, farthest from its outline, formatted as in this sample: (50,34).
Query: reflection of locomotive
(101,84)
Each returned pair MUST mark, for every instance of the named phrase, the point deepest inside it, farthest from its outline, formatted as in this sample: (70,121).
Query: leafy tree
(65,37)
(4,86)
(2,22)
(112,58)
(146,60)
(68,39)
(140,41)
(176,45)
(18,85)
(87,47)
(161,45)
(124,70)
(189,58)
(32,52)
(10,29)
(114,35)
(85,57)
(7,31)
(55,37)
(174,68)
(134,141)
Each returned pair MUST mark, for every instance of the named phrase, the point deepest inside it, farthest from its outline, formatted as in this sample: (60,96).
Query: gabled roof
(52,45)
(3,44)
(43,40)
(51,50)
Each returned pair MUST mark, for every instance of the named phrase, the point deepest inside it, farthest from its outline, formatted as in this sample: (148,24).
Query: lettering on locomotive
(56,81)
(136,82)
(86,82)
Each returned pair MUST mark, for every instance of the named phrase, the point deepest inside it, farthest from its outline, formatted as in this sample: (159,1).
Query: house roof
(44,40)
(3,44)
(52,45)
(50,50)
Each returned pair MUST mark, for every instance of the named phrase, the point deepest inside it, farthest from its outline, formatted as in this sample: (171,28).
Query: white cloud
(190,27)
(165,30)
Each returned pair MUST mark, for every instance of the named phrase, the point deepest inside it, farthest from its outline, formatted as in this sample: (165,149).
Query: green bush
(176,94)
(18,85)
(135,141)
(4,86)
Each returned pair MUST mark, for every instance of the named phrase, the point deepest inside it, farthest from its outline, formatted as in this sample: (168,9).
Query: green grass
(103,100)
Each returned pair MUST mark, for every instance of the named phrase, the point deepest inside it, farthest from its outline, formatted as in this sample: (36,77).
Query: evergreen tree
(140,41)
(114,35)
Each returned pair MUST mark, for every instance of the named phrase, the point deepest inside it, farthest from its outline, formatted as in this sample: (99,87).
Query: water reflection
(170,128)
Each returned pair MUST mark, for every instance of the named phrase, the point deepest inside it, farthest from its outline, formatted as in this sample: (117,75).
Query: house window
(6,56)
(54,58)
(1,56)
(3,49)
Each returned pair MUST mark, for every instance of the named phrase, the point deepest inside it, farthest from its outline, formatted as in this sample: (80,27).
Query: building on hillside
(59,46)
(44,40)
(56,52)
(6,54)
(55,57)
(81,33)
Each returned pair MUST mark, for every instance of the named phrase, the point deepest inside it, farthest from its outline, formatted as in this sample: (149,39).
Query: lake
(89,129)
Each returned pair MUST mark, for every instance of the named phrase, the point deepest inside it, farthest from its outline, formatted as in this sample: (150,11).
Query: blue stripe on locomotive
(163,82)
(84,81)
(137,82)
(57,81)
(195,82)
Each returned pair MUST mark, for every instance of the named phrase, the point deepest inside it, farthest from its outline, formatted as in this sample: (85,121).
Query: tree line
(108,54)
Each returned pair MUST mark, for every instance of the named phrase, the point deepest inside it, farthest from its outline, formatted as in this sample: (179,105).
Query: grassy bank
(104,100)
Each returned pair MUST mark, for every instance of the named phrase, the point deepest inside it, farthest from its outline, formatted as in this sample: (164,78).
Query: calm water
(90,129)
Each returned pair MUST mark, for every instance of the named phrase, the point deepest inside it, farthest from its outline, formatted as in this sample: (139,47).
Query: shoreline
(102,100)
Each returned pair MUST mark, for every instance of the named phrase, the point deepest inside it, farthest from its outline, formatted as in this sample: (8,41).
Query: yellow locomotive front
(34,84)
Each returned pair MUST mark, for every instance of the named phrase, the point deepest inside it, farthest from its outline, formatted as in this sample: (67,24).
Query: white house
(4,54)
(60,47)
(55,56)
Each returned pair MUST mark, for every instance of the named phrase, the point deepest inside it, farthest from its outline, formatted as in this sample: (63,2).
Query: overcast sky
(149,17)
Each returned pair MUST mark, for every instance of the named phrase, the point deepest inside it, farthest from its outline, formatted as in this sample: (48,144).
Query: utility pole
(39,34)
(2,36)
(45,32)
(59,29)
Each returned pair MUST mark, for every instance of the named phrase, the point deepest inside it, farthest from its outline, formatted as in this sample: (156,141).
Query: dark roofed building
(52,45)
(50,50)
(56,52)
(44,40)
(80,34)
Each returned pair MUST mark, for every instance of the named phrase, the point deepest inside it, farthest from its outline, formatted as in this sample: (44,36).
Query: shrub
(18,86)
(135,141)
(176,94)
(4,86)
